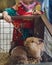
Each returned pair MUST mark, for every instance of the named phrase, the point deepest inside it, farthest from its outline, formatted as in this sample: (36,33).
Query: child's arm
(8,12)
(7,17)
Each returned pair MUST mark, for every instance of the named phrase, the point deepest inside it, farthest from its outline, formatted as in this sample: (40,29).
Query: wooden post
(47,24)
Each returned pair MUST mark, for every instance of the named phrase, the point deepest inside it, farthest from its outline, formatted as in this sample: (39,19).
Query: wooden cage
(40,21)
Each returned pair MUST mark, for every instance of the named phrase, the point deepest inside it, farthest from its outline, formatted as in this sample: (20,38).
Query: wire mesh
(6,31)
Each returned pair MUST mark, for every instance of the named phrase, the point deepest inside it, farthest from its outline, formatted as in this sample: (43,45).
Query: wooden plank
(47,24)
(22,17)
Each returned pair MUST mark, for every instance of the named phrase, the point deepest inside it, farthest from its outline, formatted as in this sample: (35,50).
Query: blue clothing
(50,11)
(45,7)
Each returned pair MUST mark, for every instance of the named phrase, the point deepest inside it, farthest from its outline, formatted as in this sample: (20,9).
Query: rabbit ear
(41,46)
(40,40)
(25,43)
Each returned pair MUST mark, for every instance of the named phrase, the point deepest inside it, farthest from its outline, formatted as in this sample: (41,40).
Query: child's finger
(34,12)
(38,12)
(8,19)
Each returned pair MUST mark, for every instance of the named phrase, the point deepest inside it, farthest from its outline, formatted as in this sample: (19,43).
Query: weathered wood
(24,17)
(38,28)
(47,24)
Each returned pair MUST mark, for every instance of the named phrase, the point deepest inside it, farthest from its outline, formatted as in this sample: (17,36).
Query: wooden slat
(47,24)
(22,17)
(25,17)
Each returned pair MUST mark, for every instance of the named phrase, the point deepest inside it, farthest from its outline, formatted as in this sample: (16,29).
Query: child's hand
(7,17)
(37,12)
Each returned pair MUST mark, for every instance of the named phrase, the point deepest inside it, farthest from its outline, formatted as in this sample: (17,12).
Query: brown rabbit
(35,47)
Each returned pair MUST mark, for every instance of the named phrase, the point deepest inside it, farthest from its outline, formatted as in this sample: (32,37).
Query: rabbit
(35,47)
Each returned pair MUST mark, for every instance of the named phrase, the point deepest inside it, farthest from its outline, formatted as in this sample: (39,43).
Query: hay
(4,59)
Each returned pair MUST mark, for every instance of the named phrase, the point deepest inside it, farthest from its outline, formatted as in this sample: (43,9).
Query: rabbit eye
(32,41)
